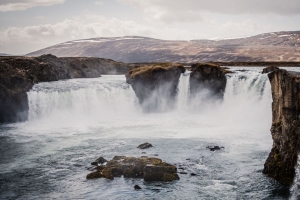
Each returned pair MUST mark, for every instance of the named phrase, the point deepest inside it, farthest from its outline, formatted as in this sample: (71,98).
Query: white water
(73,122)
(82,104)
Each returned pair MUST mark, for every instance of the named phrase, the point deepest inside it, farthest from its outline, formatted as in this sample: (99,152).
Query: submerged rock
(214,148)
(269,69)
(208,77)
(145,145)
(285,128)
(151,169)
(156,85)
(100,160)
(137,187)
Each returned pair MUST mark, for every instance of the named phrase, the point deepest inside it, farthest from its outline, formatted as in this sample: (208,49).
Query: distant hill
(4,54)
(278,46)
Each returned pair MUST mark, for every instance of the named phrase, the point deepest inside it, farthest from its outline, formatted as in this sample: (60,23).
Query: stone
(94,175)
(145,145)
(149,168)
(214,148)
(137,187)
(285,128)
(182,172)
(101,160)
(160,173)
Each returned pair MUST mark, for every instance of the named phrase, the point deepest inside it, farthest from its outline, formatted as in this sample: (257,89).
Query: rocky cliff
(155,85)
(285,128)
(208,78)
(19,74)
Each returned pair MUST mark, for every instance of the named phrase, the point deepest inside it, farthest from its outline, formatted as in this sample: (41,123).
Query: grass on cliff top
(205,65)
(148,69)
(200,65)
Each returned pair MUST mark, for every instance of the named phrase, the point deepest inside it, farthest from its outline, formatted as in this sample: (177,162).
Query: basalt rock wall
(208,77)
(156,85)
(285,128)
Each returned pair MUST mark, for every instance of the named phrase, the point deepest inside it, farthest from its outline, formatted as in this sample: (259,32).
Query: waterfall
(82,98)
(183,90)
(247,100)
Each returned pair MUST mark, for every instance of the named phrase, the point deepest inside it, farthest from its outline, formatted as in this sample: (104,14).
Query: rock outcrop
(156,85)
(151,169)
(19,74)
(285,129)
(208,77)
(269,69)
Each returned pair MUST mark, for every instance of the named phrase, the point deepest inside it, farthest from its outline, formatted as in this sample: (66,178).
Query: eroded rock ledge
(210,77)
(285,128)
(19,74)
(155,85)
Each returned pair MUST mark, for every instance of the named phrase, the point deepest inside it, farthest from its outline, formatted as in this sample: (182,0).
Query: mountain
(277,46)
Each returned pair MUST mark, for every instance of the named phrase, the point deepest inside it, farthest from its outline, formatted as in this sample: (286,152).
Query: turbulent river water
(73,122)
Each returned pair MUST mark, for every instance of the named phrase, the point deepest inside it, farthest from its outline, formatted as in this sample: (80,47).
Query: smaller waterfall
(295,189)
(82,98)
(183,90)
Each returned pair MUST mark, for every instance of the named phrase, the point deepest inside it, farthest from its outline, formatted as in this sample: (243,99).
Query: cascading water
(183,91)
(73,122)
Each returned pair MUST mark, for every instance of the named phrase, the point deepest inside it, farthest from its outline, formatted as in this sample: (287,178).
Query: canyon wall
(285,128)
(19,74)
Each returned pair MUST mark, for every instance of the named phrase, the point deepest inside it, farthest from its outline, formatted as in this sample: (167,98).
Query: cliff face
(19,74)
(155,85)
(285,129)
(208,77)
(14,83)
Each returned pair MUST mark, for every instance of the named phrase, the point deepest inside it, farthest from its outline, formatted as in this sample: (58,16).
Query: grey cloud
(221,6)
(12,5)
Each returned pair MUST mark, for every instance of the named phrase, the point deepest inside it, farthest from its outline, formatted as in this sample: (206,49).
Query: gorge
(103,116)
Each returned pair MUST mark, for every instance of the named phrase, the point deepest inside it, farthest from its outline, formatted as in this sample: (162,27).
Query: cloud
(182,11)
(84,26)
(99,3)
(87,25)
(13,5)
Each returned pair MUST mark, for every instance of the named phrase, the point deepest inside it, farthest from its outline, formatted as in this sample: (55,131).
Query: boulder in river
(145,145)
(214,148)
(151,169)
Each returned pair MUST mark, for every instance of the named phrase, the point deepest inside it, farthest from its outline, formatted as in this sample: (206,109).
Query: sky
(30,25)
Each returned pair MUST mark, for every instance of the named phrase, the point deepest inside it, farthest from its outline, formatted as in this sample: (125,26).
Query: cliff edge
(285,128)
(155,85)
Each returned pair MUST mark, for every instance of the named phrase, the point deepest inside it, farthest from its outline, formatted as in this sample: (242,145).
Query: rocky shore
(285,128)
